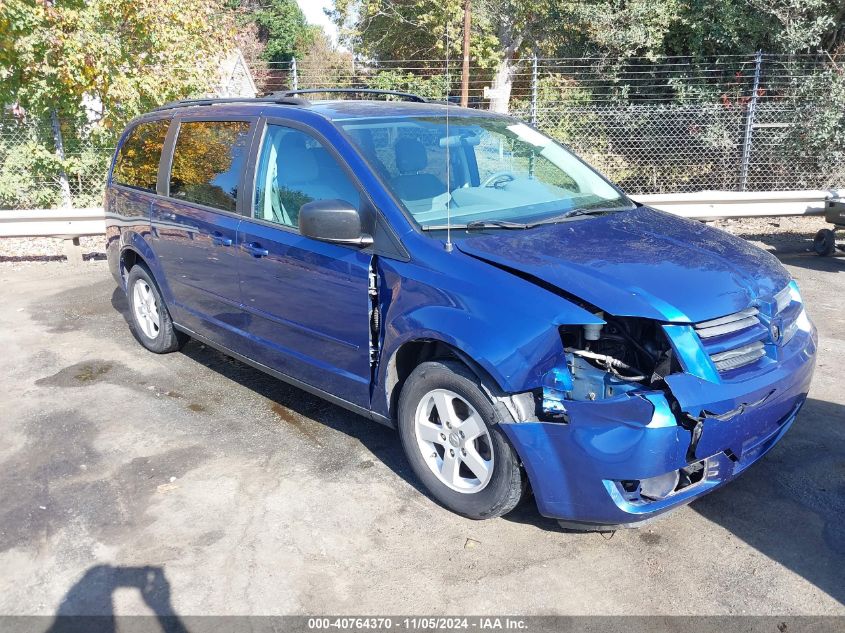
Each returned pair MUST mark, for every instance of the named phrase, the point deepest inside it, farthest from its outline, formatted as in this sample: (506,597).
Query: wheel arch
(135,250)
(412,352)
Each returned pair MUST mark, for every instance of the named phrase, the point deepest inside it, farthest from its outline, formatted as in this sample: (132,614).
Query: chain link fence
(30,170)
(738,123)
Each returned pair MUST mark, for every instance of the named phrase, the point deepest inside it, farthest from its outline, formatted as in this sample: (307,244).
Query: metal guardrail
(714,205)
(704,205)
(68,223)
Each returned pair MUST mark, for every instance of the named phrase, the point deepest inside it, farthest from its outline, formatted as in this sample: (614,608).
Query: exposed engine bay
(622,355)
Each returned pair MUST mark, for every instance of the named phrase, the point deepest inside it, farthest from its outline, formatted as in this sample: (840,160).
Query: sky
(313,10)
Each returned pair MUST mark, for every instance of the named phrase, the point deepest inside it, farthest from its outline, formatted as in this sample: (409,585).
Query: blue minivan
(460,276)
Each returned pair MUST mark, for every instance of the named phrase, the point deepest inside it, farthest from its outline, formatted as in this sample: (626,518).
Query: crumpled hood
(643,263)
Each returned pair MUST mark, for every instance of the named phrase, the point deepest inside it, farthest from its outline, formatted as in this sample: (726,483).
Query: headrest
(411,155)
(297,164)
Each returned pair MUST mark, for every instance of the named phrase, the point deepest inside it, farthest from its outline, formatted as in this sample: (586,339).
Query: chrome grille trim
(741,338)
(739,357)
(728,324)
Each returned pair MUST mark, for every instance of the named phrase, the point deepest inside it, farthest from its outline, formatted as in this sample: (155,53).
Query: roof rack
(280,99)
(407,96)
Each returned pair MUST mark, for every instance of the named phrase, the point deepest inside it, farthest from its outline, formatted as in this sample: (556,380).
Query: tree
(415,30)
(804,25)
(519,25)
(280,27)
(506,33)
(106,60)
(321,64)
(411,30)
(283,29)
(124,56)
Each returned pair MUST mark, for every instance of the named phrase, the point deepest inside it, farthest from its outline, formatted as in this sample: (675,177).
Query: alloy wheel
(454,441)
(146,309)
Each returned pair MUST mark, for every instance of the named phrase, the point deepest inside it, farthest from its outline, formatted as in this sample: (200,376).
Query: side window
(208,161)
(294,168)
(137,162)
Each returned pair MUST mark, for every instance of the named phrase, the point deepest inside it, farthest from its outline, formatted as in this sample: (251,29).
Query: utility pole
(749,123)
(465,69)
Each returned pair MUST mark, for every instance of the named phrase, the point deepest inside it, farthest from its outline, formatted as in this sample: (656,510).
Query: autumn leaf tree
(95,64)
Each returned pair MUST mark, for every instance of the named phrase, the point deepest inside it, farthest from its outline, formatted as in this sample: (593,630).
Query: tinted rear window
(137,162)
(208,161)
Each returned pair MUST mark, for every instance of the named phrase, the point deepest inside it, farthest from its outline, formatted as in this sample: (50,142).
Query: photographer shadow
(88,606)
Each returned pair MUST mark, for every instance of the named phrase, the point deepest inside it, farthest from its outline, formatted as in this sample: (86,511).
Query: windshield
(500,170)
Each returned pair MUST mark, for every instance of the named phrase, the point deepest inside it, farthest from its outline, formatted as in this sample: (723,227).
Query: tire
(155,330)
(824,243)
(474,493)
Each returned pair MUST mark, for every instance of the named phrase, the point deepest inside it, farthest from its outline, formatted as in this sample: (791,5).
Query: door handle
(218,240)
(254,249)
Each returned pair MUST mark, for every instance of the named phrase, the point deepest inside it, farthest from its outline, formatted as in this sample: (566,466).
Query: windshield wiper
(495,224)
(578,212)
(507,224)
(478,224)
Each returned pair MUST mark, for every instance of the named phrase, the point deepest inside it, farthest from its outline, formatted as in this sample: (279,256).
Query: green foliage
(430,88)
(29,167)
(414,29)
(803,25)
(283,29)
(117,57)
(128,56)
(820,133)
(740,30)
(323,65)
(626,29)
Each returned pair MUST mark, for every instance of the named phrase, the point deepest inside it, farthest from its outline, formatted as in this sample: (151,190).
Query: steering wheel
(499,179)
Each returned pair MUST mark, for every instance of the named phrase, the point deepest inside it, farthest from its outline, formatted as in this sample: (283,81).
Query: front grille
(735,340)
(728,324)
(739,357)
(740,339)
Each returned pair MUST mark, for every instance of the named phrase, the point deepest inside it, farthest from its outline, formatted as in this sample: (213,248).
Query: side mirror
(334,221)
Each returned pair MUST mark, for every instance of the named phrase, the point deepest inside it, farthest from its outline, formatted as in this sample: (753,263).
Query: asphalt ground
(130,480)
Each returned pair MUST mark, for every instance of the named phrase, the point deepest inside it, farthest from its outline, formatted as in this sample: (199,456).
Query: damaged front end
(643,416)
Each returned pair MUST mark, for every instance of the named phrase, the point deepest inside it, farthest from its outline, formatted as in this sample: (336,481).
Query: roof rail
(407,96)
(280,99)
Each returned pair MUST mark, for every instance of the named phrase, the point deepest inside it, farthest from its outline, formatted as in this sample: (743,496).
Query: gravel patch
(17,250)
(779,235)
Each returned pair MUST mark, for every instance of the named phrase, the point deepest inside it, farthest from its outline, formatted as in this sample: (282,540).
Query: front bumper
(576,468)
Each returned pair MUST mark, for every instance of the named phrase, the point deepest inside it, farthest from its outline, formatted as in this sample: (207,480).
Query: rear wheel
(150,319)
(450,432)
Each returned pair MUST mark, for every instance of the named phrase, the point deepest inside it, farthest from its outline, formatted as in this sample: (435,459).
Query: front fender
(471,335)
(504,324)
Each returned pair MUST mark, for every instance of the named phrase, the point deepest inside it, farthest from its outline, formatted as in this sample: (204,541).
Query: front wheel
(450,433)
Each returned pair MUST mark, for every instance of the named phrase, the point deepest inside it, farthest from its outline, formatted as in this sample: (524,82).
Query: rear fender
(134,241)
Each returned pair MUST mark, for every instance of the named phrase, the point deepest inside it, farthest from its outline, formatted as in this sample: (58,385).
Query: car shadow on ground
(796,249)
(811,261)
(791,505)
(88,607)
(381,441)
